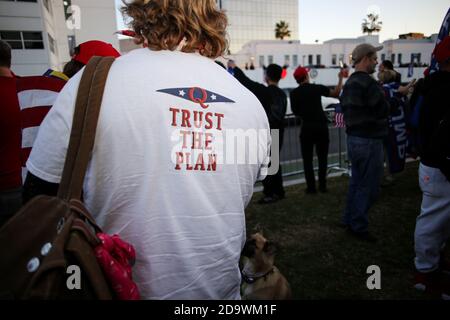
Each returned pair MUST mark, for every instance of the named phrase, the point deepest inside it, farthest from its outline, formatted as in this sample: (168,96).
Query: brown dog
(261,280)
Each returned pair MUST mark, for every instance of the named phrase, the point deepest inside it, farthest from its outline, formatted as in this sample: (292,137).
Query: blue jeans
(366,156)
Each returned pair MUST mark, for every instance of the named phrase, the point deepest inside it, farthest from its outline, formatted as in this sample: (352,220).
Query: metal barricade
(291,156)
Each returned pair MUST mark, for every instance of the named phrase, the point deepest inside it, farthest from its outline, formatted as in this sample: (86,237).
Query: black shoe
(310,191)
(363,236)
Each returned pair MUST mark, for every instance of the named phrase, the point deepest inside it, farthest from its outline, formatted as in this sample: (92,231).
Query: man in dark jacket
(433,224)
(366,116)
(274,101)
(306,103)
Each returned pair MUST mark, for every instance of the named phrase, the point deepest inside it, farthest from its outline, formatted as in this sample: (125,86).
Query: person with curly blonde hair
(156,176)
(191,26)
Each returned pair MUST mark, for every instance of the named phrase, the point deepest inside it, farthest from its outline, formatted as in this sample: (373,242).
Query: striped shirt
(36,96)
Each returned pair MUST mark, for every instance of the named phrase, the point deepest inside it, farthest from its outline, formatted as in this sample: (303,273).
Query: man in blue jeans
(366,115)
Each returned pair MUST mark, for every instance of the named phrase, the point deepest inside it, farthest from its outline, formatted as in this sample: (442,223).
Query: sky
(327,19)
(323,20)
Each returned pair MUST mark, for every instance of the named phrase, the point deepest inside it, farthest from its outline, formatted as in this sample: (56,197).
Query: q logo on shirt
(201,100)
(197,95)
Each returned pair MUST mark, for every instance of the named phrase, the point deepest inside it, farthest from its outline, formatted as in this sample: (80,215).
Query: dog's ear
(270,248)
(258,229)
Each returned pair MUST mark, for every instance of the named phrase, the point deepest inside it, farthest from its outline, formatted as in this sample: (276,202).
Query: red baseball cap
(442,50)
(93,48)
(300,73)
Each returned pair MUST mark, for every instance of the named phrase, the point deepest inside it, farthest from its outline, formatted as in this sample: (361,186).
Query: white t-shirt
(155,176)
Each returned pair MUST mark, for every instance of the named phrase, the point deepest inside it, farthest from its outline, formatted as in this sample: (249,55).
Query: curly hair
(163,24)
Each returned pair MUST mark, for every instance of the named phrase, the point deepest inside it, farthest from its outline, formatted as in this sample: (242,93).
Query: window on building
(23,39)
(51,43)
(261,61)
(270,59)
(318,59)
(334,59)
(33,40)
(393,58)
(310,59)
(14,38)
(383,57)
(287,59)
(294,60)
(399,58)
(342,57)
(71,40)
(67,12)
(416,58)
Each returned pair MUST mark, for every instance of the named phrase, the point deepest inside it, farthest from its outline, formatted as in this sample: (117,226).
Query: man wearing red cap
(85,51)
(433,224)
(306,102)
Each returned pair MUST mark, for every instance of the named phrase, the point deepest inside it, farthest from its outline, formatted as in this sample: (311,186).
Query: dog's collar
(252,278)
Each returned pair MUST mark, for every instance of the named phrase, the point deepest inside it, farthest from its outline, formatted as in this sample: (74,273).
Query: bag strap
(84,125)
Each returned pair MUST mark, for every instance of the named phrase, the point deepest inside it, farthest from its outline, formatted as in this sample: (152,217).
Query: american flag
(339,117)
(445,31)
(36,96)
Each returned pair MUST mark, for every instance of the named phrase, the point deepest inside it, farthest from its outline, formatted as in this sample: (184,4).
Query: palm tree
(282,30)
(371,24)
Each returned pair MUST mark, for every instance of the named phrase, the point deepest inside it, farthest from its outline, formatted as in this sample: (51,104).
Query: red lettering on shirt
(174,116)
(186,115)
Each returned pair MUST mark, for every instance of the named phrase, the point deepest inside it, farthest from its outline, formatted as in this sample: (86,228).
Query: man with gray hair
(366,115)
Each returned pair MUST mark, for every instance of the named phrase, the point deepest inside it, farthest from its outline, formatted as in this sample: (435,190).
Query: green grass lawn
(322,262)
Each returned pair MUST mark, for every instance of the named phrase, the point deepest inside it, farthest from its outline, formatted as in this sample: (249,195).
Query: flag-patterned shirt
(36,96)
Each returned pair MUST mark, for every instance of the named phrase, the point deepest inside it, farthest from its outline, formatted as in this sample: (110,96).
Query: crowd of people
(188,226)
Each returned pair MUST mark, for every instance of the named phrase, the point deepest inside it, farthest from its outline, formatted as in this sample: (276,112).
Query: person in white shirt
(156,175)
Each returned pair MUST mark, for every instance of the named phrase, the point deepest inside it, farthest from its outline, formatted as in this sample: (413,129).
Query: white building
(293,53)
(402,52)
(256,19)
(97,21)
(40,36)
(325,58)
